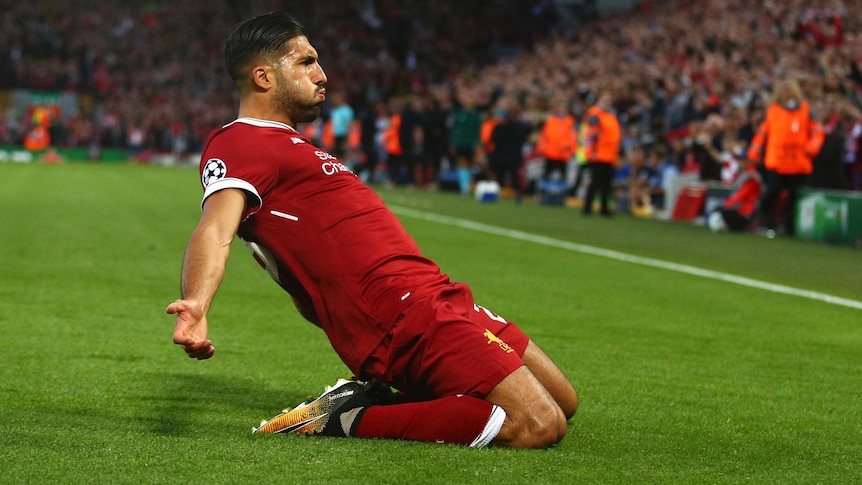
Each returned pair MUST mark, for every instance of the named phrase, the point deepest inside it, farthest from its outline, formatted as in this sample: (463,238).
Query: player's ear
(262,76)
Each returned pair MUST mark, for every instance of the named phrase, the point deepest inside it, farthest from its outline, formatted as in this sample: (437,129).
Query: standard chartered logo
(332,168)
(331,165)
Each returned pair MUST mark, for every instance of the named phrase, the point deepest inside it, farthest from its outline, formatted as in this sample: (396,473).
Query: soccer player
(464,374)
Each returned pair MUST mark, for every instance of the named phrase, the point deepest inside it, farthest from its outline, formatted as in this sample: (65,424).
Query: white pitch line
(607,253)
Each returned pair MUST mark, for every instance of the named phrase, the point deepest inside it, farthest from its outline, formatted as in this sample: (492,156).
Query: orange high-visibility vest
(787,140)
(486,130)
(354,135)
(390,141)
(603,136)
(558,139)
(327,138)
(37,139)
(309,130)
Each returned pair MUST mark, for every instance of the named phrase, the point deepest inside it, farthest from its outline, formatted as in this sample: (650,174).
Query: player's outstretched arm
(203,269)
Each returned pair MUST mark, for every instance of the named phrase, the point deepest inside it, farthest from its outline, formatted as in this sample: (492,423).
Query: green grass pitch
(682,378)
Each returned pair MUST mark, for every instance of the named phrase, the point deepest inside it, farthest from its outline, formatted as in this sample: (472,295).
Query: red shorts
(444,344)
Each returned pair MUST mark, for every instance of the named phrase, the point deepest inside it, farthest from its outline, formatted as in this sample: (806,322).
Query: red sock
(462,420)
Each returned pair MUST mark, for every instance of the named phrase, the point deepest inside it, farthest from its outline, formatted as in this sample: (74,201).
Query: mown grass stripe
(629,258)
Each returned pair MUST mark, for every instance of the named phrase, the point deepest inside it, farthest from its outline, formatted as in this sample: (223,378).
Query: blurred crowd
(151,74)
(689,80)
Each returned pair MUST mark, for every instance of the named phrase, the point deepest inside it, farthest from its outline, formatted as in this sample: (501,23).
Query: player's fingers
(209,353)
(176,307)
(202,354)
(193,347)
(200,350)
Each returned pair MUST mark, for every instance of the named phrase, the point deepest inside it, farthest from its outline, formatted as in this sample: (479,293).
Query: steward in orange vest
(789,138)
(558,140)
(486,130)
(327,137)
(37,139)
(486,148)
(786,142)
(392,145)
(603,138)
(391,142)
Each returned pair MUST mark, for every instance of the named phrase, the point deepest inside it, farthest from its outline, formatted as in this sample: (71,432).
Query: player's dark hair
(261,35)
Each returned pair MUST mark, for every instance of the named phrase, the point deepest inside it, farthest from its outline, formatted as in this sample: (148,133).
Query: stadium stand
(694,76)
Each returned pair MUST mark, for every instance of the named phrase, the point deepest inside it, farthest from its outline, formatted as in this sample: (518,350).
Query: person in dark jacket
(508,139)
(828,167)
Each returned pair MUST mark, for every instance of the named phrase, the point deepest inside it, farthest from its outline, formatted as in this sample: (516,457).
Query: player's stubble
(289,99)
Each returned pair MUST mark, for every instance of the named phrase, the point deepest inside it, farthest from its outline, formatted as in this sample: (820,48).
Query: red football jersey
(320,232)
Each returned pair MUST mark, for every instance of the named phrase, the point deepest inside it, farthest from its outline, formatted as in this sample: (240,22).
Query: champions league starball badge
(214,170)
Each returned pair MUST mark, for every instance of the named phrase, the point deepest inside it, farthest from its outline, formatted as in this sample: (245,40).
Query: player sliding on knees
(464,374)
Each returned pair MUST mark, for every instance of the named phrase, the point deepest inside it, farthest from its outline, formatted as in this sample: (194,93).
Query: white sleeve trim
(231,183)
(492,428)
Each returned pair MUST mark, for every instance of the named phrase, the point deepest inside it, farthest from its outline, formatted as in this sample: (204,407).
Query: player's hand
(191,329)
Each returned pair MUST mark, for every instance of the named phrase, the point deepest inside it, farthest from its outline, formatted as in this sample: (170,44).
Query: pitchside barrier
(16,154)
(53,155)
(831,216)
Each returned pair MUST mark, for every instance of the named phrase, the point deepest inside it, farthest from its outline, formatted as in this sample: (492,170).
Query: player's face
(300,81)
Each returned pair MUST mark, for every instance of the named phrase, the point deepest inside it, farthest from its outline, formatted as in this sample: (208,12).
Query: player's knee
(569,405)
(547,431)
(540,430)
